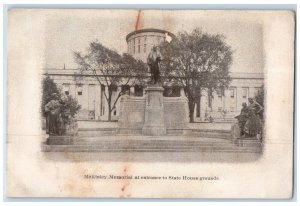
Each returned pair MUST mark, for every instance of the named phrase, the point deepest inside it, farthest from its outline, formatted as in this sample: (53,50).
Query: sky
(67,31)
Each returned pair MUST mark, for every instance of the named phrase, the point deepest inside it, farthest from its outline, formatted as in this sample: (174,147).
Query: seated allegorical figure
(242,118)
(52,109)
(253,125)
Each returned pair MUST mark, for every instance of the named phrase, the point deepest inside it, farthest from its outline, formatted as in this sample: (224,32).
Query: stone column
(251,92)
(97,101)
(105,105)
(118,102)
(182,94)
(85,97)
(239,98)
(132,91)
(72,90)
(203,105)
(154,114)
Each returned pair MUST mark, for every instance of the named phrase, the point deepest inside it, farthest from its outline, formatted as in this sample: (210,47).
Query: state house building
(90,94)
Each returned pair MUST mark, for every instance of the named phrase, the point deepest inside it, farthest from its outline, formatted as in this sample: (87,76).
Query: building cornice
(75,72)
(148,30)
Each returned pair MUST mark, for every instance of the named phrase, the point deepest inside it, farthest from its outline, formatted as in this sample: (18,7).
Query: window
(244,93)
(139,45)
(133,46)
(113,88)
(220,93)
(173,91)
(231,92)
(138,91)
(220,109)
(167,92)
(79,90)
(145,39)
(176,91)
(125,88)
(256,89)
(66,89)
(145,48)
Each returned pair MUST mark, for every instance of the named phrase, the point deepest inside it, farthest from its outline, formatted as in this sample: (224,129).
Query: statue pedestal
(154,124)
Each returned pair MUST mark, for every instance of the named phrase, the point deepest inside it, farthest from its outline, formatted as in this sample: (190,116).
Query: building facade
(90,94)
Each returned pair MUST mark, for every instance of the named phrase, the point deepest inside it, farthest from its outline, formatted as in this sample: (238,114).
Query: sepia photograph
(154,86)
(118,103)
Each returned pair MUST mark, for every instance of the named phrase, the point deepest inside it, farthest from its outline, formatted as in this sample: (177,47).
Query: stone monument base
(153,114)
(154,124)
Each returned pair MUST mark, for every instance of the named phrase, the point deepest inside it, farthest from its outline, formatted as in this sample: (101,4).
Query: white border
(120,5)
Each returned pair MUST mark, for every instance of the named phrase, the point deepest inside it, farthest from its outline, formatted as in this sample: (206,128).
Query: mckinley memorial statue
(153,60)
(153,114)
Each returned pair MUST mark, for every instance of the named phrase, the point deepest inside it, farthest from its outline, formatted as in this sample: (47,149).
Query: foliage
(197,61)
(110,69)
(49,87)
(69,105)
(259,98)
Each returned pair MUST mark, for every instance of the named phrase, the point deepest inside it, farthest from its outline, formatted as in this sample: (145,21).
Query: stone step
(140,139)
(94,132)
(98,132)
(212,135)
(154,144)
(90,148)
(98,129)
(163,144)
(248,142)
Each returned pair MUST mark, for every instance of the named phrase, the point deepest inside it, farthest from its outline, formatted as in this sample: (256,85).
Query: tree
(49,87)
(196,61)
(69,105)
(260,98)
(110,69)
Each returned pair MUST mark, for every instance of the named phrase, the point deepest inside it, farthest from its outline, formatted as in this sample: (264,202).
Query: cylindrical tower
(140,42)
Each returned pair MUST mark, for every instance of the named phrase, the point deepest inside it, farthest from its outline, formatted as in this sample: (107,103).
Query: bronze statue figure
(153,61)
(53,111)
